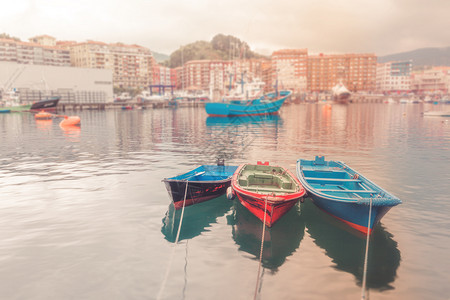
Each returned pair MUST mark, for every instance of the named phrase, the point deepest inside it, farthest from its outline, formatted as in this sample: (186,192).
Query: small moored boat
(437,113)
(344,193)
(254,185)
(48,104)
(203,183)
(43,115)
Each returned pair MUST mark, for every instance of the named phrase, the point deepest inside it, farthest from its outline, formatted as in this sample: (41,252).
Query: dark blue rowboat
(203,183)
(266,105)
(344,193)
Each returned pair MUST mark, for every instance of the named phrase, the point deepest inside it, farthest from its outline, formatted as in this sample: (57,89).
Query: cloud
(381,27)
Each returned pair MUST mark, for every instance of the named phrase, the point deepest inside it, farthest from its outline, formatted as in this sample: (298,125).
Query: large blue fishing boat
(344,193)
(201,184)
(265,105)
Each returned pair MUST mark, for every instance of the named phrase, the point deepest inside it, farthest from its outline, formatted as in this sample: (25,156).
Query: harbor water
(84,214)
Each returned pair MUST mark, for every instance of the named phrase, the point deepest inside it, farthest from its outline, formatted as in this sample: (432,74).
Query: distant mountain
(160,57)
(221,47)
(421,57)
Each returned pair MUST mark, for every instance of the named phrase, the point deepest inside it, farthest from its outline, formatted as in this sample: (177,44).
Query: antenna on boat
(220,162)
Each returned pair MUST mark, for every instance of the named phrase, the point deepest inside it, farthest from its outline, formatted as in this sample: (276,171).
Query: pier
(130,104)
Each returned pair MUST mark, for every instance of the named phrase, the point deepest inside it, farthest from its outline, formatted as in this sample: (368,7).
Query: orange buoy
(70,121)
(43,115)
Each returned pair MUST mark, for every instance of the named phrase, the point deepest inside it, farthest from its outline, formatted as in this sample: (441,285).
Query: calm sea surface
(84,214)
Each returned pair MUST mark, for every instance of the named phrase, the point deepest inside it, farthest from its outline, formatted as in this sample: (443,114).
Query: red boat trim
(179,204)
(273,201)
(360,228)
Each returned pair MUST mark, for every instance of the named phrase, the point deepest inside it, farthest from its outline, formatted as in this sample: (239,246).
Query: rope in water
(261,250)
(163,285)
(363,293)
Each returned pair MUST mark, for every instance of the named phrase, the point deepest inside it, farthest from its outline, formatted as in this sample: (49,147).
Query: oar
(196,174)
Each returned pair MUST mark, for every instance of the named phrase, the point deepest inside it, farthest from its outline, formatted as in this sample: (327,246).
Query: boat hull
(197,191)
(274,210)
(255,107)
(344,193)
(268,207)
(203,184)
(354,215)
(45,105)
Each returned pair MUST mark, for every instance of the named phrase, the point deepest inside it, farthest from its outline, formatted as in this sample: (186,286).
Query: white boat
(146,96)
(123,97)
(404,101)
(437,113)
(340,93)
(246,90)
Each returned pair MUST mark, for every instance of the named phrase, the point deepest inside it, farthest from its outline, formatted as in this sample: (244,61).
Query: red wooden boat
(256,184)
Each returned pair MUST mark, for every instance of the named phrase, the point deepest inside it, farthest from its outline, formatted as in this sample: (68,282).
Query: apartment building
(394,77)
(432,81)
(131,64)
(356,71)
(33,53)
(289,69)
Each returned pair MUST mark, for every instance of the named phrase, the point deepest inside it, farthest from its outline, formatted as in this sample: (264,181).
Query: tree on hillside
(221,47)
(7,36)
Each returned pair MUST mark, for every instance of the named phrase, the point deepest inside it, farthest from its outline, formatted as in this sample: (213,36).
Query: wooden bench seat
(348,191)
(331,179)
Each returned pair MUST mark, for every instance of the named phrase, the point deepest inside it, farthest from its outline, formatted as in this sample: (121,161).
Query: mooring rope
(261,249)
(363,293)
(163,285)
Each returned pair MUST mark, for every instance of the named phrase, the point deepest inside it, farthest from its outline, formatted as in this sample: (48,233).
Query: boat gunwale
(273,199)
(377,200)
(201,167)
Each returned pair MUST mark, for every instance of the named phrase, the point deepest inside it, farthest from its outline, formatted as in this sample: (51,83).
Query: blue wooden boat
(265,105)
(204,183)
(344,193)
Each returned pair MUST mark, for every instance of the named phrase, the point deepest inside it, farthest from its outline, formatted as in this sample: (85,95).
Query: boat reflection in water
(280,241)
(196,219)
(234,121)
(346,247)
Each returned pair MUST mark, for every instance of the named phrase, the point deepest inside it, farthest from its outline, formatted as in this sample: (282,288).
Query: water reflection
(230,121)
(280,241)
(196,219)
(233,137)
(347,249)
(44,125)
(71,132)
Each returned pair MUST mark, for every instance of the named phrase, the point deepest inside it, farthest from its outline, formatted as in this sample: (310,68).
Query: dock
(130,104)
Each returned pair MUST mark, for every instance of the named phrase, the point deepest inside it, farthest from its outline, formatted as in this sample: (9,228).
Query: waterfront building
(218,76)
(33,53)
(44,40)
(33,82)
(355,71)
(289,69)
(131,64)
(394,77)
(435,80)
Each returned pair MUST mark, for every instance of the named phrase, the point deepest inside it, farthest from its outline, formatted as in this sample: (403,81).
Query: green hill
(160,57)
(221,47)
(421,57)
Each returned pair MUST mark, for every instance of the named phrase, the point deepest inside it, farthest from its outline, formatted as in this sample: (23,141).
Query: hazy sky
(329,26)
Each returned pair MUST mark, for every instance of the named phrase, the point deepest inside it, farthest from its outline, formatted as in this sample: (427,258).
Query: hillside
(221,47)
(160,57)
(421,57)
